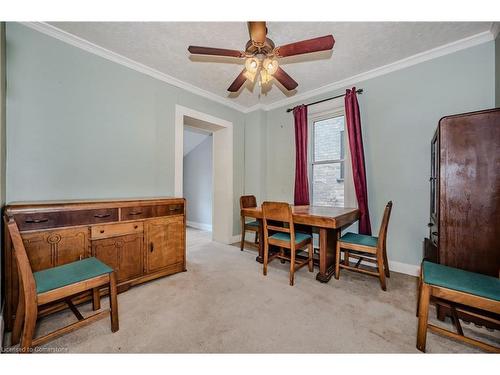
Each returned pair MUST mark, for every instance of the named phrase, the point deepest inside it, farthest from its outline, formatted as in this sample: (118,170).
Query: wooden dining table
(327,220)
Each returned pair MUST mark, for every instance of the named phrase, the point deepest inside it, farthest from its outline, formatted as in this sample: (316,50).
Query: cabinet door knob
(151,247)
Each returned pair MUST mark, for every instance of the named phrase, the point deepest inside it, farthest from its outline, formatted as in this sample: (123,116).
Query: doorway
(197,177)
(222,166)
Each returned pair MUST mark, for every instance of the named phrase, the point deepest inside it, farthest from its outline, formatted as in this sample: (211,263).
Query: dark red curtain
(301,195)
(353,122)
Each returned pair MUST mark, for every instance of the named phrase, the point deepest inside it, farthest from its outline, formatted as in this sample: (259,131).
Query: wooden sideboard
(142,239)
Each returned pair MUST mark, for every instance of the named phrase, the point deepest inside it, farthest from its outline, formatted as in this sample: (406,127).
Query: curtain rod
(358,91)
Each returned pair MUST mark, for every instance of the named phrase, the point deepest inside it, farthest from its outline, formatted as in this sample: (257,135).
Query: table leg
(260,257)
(327,243)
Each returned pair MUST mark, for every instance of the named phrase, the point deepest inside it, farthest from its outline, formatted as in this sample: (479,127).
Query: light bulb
(265,77)
(271,65)
(252,64)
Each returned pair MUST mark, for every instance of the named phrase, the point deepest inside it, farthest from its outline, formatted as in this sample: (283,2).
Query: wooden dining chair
(248,201)
(366,248)
(279,231)
(57,284)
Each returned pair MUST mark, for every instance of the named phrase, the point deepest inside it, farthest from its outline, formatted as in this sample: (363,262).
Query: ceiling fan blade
(238,82)
(197,50)
(322,43)
(258,32)
(285,79)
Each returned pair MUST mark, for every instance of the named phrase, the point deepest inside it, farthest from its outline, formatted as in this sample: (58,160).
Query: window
(327,169)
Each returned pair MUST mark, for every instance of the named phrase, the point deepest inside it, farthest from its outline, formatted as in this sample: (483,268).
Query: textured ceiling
(359,47)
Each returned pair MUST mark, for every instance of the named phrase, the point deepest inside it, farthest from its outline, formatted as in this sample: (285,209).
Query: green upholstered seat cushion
(463,281)
(67,274)
(253,223)
(299,237)
(359,239)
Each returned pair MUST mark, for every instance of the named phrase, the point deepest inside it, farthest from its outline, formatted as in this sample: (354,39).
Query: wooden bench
(459,288)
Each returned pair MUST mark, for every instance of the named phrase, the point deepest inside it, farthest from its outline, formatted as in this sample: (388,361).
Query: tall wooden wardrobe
(465,193)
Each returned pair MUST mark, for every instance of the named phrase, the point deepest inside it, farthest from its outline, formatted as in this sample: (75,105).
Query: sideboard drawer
(138,212)
(114,230)
(57,219)
(169,209)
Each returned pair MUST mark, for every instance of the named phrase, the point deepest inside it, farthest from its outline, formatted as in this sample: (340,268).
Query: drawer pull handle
(173,208)
(35,221)
(135,226)
(133,213)
(102,216)
(151,247)
(102,231)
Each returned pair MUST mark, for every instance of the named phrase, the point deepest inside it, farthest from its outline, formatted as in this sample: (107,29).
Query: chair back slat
(27,280)
(278,229)
(382,235)
(248,201)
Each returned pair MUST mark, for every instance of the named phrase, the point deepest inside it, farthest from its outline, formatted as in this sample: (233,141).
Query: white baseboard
(407,269)
(236,238)
(201,226)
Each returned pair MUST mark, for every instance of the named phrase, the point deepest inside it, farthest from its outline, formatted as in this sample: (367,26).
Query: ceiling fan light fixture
(252,64)
(271,65)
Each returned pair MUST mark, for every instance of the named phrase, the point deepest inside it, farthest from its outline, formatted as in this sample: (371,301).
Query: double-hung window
(327,157)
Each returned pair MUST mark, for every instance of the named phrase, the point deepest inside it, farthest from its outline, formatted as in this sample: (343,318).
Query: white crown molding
(85,45)
(443,50)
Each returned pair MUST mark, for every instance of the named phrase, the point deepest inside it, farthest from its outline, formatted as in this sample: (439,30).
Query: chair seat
(464,281)
(359,239)
(253,223)
(299,237)
(71,273)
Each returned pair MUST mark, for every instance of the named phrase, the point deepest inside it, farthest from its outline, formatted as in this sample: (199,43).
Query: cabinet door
(54,248)
(70,245)
(164,245)
(130,257)
(122,253)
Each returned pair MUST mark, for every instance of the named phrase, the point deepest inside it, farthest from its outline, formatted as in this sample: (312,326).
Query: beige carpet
(223,304)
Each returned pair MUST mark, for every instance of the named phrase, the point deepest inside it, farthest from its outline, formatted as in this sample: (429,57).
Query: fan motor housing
(253,48)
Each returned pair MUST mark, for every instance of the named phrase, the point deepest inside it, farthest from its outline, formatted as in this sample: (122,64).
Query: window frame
(346,161)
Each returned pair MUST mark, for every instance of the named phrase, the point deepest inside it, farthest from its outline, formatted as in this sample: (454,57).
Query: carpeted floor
(223,304)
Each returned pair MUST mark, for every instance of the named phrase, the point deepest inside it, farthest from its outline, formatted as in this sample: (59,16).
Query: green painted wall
(255,155)
(497,71)
(400,112)
(80,126)
(2,148)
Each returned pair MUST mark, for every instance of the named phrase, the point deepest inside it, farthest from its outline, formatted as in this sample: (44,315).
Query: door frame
(222,168)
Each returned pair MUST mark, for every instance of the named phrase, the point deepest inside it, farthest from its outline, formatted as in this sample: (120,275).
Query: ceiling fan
(262,56)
